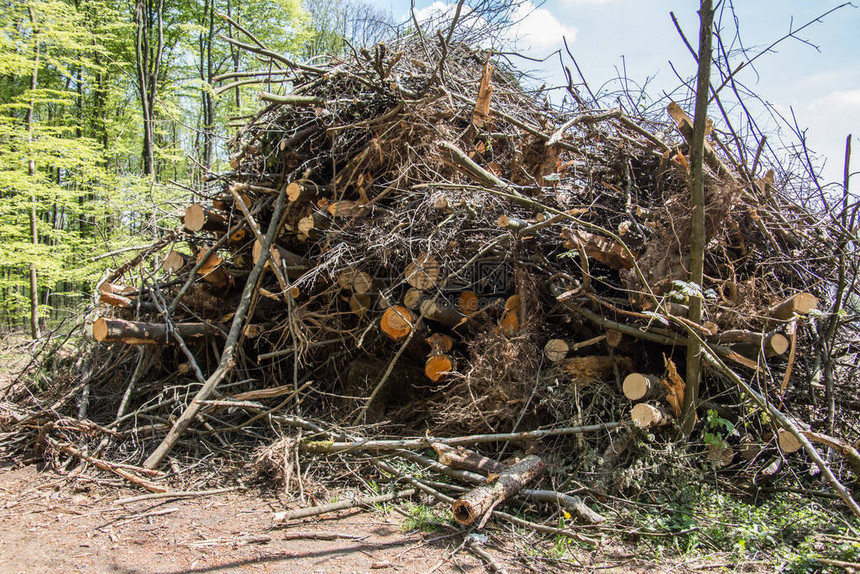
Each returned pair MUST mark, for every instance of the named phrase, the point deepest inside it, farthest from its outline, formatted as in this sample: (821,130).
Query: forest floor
(45,526)
(48,525)
(51,524)
(61,522)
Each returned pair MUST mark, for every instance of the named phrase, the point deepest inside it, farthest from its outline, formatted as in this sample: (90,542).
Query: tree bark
(137,333)
(464,459)
(31,170)
(148,52)
(480,501)
(697,205)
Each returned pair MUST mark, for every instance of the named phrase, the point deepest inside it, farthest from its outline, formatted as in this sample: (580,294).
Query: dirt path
(47,527)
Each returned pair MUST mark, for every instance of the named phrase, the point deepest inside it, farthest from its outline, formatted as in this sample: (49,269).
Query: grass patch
(425,518)
(790,532)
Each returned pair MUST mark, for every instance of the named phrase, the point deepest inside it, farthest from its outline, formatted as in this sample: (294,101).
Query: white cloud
(841,99)
(435,10)
(439,14)
(538,30)
(827,120)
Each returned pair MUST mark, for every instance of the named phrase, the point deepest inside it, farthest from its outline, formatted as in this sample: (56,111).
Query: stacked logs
(419,226)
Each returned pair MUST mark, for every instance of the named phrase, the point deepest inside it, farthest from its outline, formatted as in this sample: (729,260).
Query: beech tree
(100,102)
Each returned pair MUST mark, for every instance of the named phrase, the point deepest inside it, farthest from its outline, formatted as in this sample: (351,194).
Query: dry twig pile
(424,245)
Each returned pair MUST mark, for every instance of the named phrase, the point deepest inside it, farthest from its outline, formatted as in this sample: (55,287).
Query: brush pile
(409,238)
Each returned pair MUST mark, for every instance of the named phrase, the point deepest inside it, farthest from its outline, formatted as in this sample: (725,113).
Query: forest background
(109,120)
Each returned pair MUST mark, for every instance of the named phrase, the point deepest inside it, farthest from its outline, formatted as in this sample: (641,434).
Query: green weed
(425,518)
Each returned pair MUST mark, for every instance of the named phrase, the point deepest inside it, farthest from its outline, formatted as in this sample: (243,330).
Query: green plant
(425,518)
(717,426)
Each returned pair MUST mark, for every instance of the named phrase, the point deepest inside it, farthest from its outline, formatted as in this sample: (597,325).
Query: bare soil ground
(47,527)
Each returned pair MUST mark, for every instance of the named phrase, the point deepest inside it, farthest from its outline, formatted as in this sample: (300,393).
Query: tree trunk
(480,501)
(697,205)
(235,53)
(205,67)
(31,170)
(148,51)
(136,333)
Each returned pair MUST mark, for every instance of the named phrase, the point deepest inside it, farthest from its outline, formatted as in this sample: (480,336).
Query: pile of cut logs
(378,213)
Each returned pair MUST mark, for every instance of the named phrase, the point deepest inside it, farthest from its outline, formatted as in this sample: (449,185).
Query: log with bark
(798,304)
(645,415)
(750,343)
(200,218)
(107,330)
(556,350)
(642,387)
(480,502)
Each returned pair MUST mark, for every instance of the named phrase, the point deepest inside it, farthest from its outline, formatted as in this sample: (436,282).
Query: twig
(711,357)
(321,536)
(178,494)
(477,549)
(288,515)
(292,99)
(426,442)
(123,250)
(227,362)
(107,466)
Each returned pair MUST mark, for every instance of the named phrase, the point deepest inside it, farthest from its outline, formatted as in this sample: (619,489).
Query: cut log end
(438,367)
(173,262)
(468,302)
(294,191)
(397,322)
(100,329)
(199,218)
(423,272)
(463,512)
(360,303)
(412,298)
(788,443)
(510,322)
(306,225)
(779,344)
(479,502)
(441,312)
(194,217)
(556,350)
(359,282)
(213,272)
(637,386)
(646,416)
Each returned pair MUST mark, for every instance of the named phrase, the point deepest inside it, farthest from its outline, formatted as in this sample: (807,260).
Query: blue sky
(821,86)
